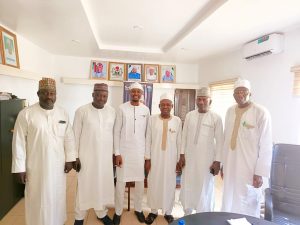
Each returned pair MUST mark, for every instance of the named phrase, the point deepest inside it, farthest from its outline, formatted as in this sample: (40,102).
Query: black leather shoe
(150,218)
(116,219)
(169,218)
(140,216)
(106,220)
(78,222)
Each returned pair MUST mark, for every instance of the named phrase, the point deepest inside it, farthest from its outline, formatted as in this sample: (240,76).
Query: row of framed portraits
(8,48)
(117,71)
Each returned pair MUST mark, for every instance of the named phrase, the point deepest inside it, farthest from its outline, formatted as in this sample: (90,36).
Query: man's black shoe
(116,219)
(106,220)
(150,218)
(78,222)
(140,216)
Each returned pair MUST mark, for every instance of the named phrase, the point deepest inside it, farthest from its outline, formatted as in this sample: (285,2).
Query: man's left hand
(215,168)
(68,166)
(257,181)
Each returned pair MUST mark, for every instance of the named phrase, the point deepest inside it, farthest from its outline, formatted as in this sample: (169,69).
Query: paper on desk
(240,221)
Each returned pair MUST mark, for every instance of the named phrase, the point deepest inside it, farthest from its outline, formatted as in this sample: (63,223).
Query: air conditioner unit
(266,45)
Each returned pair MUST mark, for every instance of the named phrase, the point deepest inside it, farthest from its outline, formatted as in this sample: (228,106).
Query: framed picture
(116,71)
(134,72)
(151,73)
(98,70)
(167,73)
(9,48)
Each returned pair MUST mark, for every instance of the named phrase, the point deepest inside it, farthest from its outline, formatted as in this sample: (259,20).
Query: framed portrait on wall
(151,73)
(167,73)
(9,48)
(116,71)
(134,72)
(98,70)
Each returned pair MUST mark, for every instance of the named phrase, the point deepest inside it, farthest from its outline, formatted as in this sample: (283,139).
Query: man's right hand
(147,166)
(77,165)
(119,161)
(21,177)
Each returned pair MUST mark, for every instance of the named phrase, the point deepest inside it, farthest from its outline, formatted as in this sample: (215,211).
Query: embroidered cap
(100,87)
(136,85)
(166,96)
(203,92)
(47,83)
(242,83)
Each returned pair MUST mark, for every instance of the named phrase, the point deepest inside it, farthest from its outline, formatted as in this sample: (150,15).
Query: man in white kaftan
(202,142)
(43,151)
(247,153)
(129,145)
(93,129)
(163,141)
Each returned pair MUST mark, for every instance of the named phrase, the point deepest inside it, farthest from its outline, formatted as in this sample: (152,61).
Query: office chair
(282,200)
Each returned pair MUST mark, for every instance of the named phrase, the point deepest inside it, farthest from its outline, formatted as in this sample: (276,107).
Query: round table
(218,218)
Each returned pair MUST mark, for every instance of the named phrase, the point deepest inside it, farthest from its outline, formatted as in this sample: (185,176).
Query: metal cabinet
(10,191)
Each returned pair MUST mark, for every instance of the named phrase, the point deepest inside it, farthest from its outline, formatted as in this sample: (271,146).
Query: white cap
(136,85)
(203,92)
(242,83)
(166,96)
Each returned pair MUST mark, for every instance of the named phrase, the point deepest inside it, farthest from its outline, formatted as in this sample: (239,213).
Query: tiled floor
(16,215)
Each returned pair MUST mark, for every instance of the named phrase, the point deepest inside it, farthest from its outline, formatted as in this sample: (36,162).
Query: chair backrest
(285,179)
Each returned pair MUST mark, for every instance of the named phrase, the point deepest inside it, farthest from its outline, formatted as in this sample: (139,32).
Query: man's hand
(68,166)
(147,166)
(181,162)
(215,168)
(257,181)
(77,165)
(119,161)
(21,177)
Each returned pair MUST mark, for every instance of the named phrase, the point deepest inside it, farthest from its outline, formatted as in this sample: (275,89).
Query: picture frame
(134,72)
(167,73)
(98,70)
(9,48)
(116,71)
(151,73)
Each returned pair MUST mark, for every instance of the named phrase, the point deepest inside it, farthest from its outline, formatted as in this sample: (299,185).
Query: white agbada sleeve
(263,163)
(148,139)
(219,138)
(69,143)
(19,144)
(117,131)
(184,134)
(77,127)
(179,140)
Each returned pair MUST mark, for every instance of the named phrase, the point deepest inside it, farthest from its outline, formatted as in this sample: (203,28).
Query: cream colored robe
(93,129)
(43,141)
(197,183)
(162,175)
(252,155)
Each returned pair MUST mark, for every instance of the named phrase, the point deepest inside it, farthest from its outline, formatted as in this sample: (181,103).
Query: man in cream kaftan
(93,129)
(163,141)
(129,146)
(202,142)
(43,151)
(247,153)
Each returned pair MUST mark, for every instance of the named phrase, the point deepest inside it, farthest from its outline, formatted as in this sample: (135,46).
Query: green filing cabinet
(10,191)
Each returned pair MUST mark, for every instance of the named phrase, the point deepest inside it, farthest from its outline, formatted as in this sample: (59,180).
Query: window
(222,96)
(296,89)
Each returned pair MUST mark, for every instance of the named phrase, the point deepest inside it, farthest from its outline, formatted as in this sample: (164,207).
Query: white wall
(73,96)
(272,84)
(34,59)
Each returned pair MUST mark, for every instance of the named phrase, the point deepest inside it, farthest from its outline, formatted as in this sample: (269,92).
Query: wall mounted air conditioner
(266,45)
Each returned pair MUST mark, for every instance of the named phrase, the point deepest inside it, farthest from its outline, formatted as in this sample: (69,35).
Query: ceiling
(147,30)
